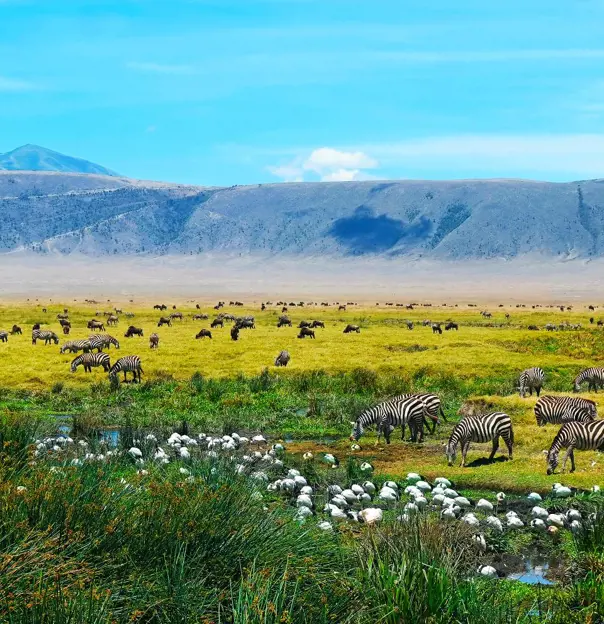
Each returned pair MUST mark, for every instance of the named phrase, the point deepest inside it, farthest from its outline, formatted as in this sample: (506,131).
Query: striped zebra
(127,364)
(102,341)
(557,410)
(43,334)
(433,408)
(90,360)
(593,376)
(531,379)
(389,414)
(575,435)
(480,428)
(73,346)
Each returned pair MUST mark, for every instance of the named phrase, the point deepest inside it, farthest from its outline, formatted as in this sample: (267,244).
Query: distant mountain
(36,158)
(463,219)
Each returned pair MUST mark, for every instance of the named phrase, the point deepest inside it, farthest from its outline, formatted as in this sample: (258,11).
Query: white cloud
(161,68)
(329,164)
(10,84)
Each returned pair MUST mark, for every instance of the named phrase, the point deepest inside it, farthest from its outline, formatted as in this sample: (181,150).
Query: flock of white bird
(363,502)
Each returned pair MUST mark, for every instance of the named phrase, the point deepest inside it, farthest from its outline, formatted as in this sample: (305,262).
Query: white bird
(562,492)
(258,439)
(306,490)
(340,502)
(338,514)
(451,493)
(480,541)
(357,489)
(259,476)
(448,502)
(355,447)
(411,508)
(424,486)
(303,512)
(484,505)
(184,471)
(573,514)
(462,501)
(470,519)
(388,495)
(21,488)
(413,477)
(442,481)
(514,522)
(364,498)
(334,489)
(534,497)
(438,499)
(500,497)
(575,526)
(371,515)
(495,523)
(274,487)
(488,571)
(300,481)
(292,473)
(421,502)
(278,448)
(330,459)
(556,520)
(392,485)
(413,491)
(538,524)
(448,514)
(366,467)
(184,453)
(350,496)
(595,488)
(304,501)
(539,512)
(325,526)
(288,485)
(135,452)
(307,456)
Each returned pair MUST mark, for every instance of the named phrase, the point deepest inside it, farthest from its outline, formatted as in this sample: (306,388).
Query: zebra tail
(512,434)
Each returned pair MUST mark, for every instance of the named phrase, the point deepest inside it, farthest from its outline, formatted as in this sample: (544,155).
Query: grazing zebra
(3,336)
(282,359)
(531,379)
(102,341)
(45,335)
(88,360)
(575,435)
(557,410)
(388,414)
(127,364)
(153,341)
(73,346)
(480,429)
(433,408)
(593,376)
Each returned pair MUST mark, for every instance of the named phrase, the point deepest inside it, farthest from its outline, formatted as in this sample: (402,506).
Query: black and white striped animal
(73,346)
(557,410)
(390,414)
(433,408)
(102,341)
(90,360)
(480,428)
(127,364)
(593,376)
(531,379)
(575,435)
(44,334)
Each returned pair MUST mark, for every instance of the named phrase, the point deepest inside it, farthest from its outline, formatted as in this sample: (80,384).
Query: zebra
(593,376)
(557,410)
(531,379)
(3,336)
(480,429)
(433,408)
(575,435)
(388,414)
(45,335)
(102,341)
(88,360)
(127,364)
(73,346)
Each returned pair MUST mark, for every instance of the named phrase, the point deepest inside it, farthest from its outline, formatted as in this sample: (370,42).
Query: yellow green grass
(479,355)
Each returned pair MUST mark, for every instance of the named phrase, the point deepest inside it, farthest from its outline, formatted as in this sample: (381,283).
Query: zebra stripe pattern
(433,407)
(480,429)
(127,364)
(531,379)
(90,361)
(557,410)
(74,346)
(45,335)
(575,435)
(102,341)
(389,414)
(593,376)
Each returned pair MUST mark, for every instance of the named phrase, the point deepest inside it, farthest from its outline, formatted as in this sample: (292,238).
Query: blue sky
(243,91)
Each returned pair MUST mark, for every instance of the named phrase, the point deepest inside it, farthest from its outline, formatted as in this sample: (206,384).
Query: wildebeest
(409,324)
(112,319)
(234,332)
(217,323)
(94,324)
(247,322)
(66,329)
(282,359)
(533,328)
(3,336)
(304,324)
(436,328)
(451,325)
(62,316)
(342,308)
(164,321)
(284,321)
(65,323)
(305,331)
(153,341)
(36,326)
(197,306)
(200,317)
(133,331)
(16,330)
(318,324)
(263,307)
(176,315)
(160,307)
(352,328)
(203,333)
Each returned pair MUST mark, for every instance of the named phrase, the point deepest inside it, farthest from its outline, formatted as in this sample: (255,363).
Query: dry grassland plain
(480,362)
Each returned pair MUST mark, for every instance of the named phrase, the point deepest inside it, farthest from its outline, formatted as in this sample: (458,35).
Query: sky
(224,92)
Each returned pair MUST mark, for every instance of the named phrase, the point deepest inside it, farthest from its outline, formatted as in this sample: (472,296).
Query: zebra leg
(510,445)
(569,453)
(403,431)
(125,377)
(495,447)
(538,390)
(465,447)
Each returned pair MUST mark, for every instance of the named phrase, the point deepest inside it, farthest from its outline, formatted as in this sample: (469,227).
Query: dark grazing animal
(352,328)
(112,319)
(36,326)
(16,330)
(204,333)
(304,324)
(161,307)
(176,315)
(245,323)
(305,332)
(133,331)
(284,321)
(164,321)
(90,360)
(451,325)
(436,328)
(234,332)
(531,379)
(64,323)
(315,324)
(94,324)
(480,428)
(217,323)
(200,317)
(66,330)
(557,410)
(575,435)
(282,359)
(127,364)
(153,341)
(3,336)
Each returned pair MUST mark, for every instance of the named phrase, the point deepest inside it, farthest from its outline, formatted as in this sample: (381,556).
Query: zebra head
(74,365)
(357,430)
(577,382)
(552,461)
